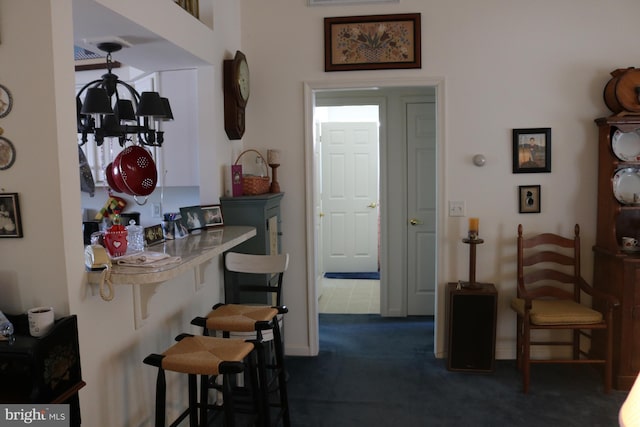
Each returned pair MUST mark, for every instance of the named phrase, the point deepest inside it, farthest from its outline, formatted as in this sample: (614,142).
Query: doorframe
(310,88)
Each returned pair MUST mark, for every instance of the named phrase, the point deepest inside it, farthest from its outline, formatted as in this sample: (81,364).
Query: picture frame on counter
(10,221)
(153,235)
(532,150)
(374,42)
(529,198)
(212,215)
(192,217)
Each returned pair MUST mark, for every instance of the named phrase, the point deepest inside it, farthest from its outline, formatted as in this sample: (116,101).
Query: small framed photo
(192,217)
(153,235)
(212,215)
(375,42)
(529,199)
(10,222)
(532,150)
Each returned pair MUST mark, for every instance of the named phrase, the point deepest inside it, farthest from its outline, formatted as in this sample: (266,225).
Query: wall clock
(6,101)
(236,94)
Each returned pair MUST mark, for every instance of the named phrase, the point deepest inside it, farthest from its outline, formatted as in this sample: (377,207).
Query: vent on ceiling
(81,53)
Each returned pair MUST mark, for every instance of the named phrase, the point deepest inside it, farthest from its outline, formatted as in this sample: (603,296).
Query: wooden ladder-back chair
(549,294)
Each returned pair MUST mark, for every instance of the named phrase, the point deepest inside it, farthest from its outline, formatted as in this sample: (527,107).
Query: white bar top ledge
(195,249)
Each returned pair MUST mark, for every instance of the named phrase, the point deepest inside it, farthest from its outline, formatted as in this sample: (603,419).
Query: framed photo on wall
(373,42)
(10,222)
(532,150)
(337,2)
(529,199)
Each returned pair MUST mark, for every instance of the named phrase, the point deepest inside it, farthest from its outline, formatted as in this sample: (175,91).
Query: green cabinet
(263,213)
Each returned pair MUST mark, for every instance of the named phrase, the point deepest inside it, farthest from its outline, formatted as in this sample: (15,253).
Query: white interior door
(421,208)
(350,196)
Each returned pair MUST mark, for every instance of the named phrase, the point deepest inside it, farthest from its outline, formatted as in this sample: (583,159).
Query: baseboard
(293,350)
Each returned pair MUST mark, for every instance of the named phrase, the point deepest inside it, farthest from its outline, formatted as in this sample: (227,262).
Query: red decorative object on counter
(115,238)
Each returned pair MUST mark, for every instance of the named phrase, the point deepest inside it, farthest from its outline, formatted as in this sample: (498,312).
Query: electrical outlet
(156,210)
(456,208)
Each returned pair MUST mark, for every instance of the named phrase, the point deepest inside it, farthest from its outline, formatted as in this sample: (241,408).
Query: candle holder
(273,159)
(472,284)
(275,186)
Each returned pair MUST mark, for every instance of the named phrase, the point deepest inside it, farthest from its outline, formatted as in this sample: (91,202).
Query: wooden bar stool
(207,357)
(261,323)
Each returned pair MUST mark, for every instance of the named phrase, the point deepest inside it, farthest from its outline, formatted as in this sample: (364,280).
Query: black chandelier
(106,115)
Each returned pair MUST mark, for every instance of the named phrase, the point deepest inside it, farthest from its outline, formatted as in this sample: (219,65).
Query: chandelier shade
(111,108)
(167,109)
(150,105)
(96,102)
(124,110)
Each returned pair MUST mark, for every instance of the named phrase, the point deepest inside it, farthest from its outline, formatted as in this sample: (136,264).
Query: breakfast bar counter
(190,252)
(169,259)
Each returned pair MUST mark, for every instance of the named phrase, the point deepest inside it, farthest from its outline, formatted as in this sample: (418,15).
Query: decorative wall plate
(626,145)
(7,153)
(626,183)
(6,101)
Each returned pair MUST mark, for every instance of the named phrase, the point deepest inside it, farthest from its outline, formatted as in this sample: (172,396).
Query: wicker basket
(253,185)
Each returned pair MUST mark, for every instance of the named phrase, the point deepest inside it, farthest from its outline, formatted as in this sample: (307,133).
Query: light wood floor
(349,296)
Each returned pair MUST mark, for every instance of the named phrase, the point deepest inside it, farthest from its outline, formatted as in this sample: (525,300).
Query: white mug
(629,242)
(41,319)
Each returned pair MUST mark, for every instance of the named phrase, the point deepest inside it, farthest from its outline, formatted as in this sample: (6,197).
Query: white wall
(505,65)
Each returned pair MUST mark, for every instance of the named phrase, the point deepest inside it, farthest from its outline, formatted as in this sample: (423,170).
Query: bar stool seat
(233,319)
(206,357)
(241,318)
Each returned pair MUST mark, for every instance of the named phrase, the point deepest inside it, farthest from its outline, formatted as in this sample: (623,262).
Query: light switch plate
(156,210)
(456,208)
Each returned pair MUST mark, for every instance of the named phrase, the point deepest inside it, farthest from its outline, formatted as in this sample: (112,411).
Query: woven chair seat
(557,312)
(202,355)
(239,318)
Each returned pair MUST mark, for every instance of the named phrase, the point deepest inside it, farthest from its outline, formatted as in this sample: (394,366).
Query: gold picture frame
(372,42)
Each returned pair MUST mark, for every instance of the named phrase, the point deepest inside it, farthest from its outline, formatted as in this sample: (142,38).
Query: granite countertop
(193,250)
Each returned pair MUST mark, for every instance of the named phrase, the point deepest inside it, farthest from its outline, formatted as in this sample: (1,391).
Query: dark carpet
(374,371)
(373,275)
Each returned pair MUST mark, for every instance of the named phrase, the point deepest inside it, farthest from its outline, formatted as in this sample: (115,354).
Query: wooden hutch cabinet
(616,268)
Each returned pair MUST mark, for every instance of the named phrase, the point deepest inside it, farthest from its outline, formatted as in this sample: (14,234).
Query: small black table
(44,369)
(471,314)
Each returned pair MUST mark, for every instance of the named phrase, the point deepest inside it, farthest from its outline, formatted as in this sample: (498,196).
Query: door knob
(372,205)
(321,215)
(414,221)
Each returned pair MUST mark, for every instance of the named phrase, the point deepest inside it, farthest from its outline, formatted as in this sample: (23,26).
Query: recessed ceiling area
(148,51)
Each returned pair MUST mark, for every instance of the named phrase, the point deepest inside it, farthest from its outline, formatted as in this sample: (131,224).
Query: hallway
(353,296)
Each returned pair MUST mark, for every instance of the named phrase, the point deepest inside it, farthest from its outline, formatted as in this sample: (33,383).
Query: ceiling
(148,51)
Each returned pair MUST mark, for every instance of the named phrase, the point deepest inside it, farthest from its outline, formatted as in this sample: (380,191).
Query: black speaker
(471,333)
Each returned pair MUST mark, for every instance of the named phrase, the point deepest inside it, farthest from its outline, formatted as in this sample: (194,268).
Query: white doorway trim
(310,203)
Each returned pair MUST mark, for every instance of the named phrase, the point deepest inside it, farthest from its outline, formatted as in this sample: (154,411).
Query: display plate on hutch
(626,145)
(626,183)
